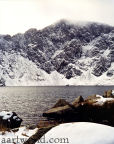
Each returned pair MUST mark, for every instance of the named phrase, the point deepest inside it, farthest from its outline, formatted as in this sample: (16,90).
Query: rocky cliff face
(70,52)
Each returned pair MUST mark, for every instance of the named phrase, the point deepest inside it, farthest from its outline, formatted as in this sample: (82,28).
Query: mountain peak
(69,50)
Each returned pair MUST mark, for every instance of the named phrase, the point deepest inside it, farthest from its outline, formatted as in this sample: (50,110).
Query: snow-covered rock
(79,133)
(101,100)
(9,120)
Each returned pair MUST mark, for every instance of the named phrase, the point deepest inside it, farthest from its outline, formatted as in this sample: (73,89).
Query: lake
(30,102)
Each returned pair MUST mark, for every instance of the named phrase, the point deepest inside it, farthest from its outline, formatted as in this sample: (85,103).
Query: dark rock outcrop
(108,94)
(101,66)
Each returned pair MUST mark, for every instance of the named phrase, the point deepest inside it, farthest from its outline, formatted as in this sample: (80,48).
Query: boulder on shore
(9,120)
(64,113)
(60,102)
(77,101)
(59,112)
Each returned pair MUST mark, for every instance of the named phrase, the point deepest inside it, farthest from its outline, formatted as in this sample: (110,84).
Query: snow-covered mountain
(60,54)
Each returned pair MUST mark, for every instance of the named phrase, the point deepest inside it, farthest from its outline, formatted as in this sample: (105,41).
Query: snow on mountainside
(60,54)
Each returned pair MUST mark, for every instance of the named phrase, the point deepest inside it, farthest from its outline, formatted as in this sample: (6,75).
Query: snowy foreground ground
(17,137)
(72,133)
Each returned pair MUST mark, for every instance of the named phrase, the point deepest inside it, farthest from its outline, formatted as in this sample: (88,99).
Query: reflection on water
(30,102)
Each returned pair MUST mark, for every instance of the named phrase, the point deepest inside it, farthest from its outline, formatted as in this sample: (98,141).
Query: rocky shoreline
(95,109)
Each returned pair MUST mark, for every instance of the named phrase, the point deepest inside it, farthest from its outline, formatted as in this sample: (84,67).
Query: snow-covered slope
(60,54)
(80,133)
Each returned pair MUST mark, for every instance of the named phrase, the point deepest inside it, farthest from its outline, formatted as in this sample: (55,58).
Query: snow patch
(102,100)
(106,53)
(86,48)
(6,115)
(112,92)
(32,45)
(57,53)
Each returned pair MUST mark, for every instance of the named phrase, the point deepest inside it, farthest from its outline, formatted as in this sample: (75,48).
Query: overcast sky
(21,15)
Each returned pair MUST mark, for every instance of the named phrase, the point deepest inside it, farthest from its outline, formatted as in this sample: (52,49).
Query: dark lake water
(30,102)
